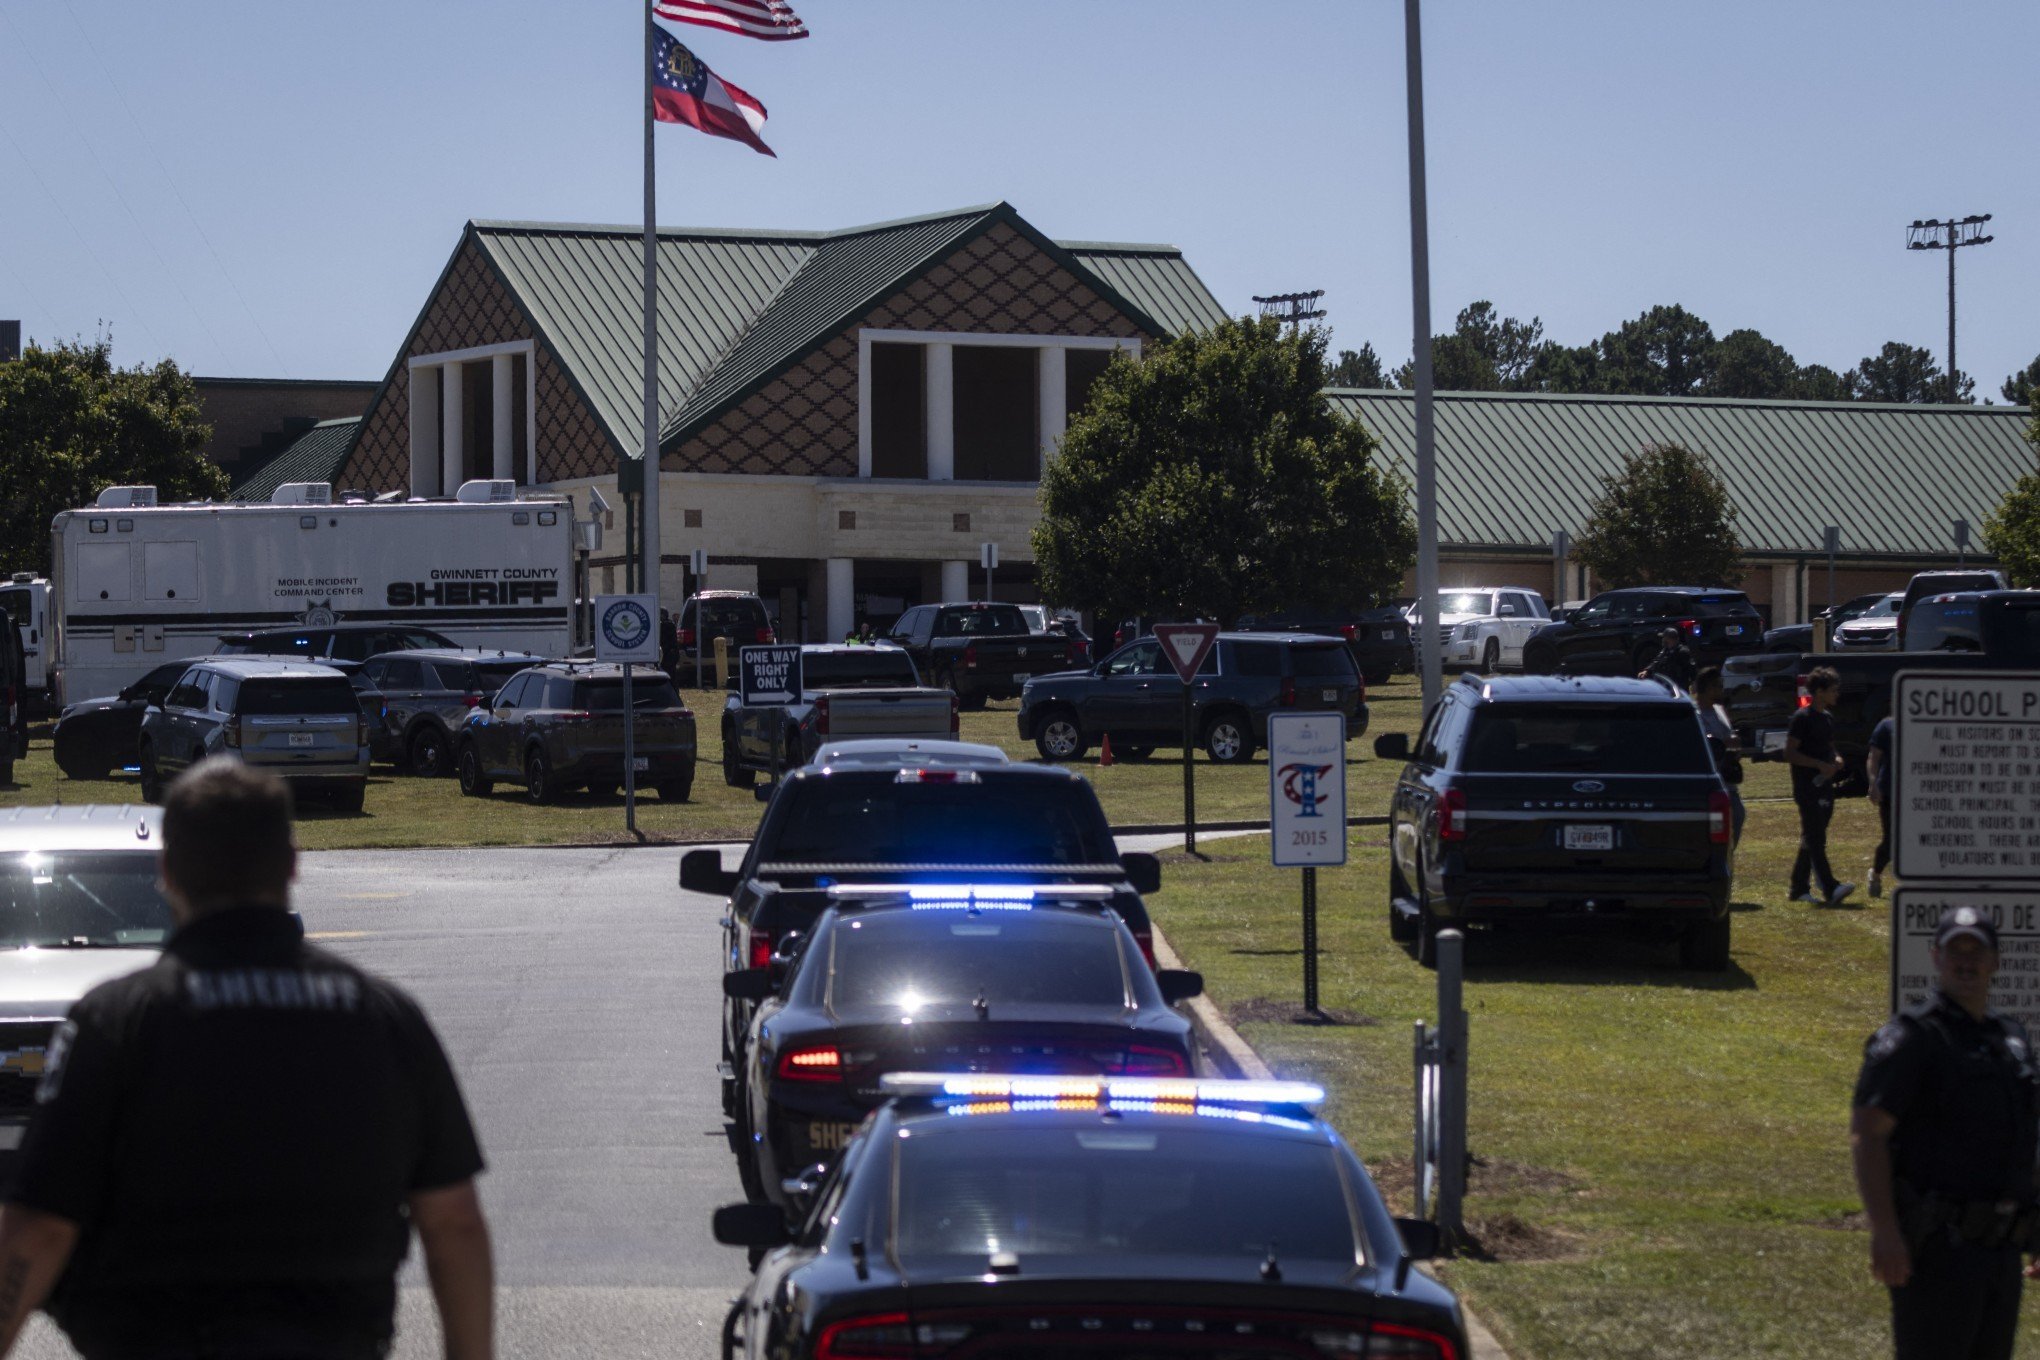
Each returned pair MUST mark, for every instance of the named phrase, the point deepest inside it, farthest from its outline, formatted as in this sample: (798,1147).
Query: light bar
(1138,1090)
(986,895)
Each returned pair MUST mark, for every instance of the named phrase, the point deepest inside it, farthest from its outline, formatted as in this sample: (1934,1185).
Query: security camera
(597,504)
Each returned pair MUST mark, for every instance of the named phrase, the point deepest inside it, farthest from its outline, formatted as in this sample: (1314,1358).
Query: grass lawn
(1663,1155)
(402,811)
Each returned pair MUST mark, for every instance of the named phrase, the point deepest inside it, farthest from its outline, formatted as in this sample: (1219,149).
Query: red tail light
(1805,695)
(1346,631)
(1145,938)
(822,715)
(471,700)
(970,657)
(1690,627)
(1288,693)
(1393,1341)
(1452,815)
(1720,818)
(881,1336)
(687,637)
(763,635)
(955,719)
(811,1064)
(762,946)
(1144,1061)
(230,735)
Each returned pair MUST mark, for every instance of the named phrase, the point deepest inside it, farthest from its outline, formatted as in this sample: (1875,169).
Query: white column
(842,604)
(956,582)
(452,429)
(863,411)
(941,412)
(425,432)
(503,369)
(1054,399)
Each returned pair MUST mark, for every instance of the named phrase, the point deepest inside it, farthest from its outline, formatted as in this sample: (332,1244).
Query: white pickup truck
(1486,626)
(848,692)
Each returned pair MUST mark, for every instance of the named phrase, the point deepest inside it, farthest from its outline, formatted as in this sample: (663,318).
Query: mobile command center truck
(135,584)
(26,601)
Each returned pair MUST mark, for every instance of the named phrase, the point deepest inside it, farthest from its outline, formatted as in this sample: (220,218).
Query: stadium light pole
(1420,298)
(1950,235)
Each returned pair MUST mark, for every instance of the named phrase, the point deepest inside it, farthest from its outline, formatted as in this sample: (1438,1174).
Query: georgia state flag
(684,90)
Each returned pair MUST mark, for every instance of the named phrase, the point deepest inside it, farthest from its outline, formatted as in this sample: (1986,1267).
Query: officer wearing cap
(1944,1134)
(231,1148)
(1674,661)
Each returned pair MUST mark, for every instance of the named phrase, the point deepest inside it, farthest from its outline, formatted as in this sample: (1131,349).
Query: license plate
(1331,696)
(1770,740)
(1590,838)
(10,1136)
(828,1135)
(301,739)
(1023,676)
(1388,635)
(641,763)
(1734,630)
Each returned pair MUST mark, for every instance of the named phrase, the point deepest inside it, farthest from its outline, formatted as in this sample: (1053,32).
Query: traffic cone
(1105,751)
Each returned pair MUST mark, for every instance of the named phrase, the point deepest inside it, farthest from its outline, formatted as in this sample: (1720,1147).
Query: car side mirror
(1392,746)
(702,871)
(751,1225)
(1179,984)
(1143,871)
(1420,1237)
(750,984)
(1507,611)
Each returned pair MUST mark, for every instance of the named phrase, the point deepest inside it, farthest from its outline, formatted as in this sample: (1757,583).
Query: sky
(259,189)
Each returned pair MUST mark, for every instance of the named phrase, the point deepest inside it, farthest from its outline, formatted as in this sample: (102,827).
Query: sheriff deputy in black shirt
(1945,1129)
(230,1149)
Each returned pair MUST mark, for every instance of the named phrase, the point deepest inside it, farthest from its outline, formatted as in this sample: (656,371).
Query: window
(403,673)
(225,690)
(1257,658)
(899,411)
(997,413)
(1945,626)
(944,959)
(869,819)
(1082,368)
(188,692)
(81,897)
(512,694)
(280,696)
(1142,658)
(1583,739)
(998,620)
(1323,663)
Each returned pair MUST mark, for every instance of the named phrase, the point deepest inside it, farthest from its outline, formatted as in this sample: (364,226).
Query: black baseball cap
(1965,921)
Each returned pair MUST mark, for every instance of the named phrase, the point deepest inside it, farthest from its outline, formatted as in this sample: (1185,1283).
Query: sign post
(770,676)
(1307,811)
(1186,645)
(1965,824)
(699,561)
(626,631)
(988,557)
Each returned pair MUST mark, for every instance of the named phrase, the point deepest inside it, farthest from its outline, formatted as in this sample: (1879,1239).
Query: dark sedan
(1618,631)
(995,1218)
(993,978)
(95,736)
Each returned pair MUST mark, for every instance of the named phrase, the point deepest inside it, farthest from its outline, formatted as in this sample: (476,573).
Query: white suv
(1486,626)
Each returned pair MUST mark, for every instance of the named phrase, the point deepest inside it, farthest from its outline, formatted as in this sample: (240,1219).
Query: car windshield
(726,616)
(314,694)
(269,644)
(847,818)
(82,899)
(1322,663)
(862,668)
(606,696)
(1886,608)
(1466,602)
(1716,606)
(1624,738)
(908,960)
(997,620)
(1107,1190)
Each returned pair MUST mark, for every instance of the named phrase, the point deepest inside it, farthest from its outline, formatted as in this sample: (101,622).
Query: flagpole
(649,498)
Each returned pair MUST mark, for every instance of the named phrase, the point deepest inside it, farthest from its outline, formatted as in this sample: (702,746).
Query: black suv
(710,614)
(342,642)
(1531,799)
(416,699)
(1379,638)
(1134,696)
(1617,632)
(559,726)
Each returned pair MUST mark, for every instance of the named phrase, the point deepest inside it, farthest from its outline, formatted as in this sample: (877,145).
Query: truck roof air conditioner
(126,498)
(486,492)
(303,493)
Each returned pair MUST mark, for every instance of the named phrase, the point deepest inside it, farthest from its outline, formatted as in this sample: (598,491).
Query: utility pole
(1293,309)
(1949,235)
(1420,306)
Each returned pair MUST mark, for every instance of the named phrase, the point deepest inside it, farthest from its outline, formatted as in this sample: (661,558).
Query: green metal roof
(737,306)
(317,456)
(1515,468)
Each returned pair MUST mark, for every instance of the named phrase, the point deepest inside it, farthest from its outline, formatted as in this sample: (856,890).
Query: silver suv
(78,906)
(294,719)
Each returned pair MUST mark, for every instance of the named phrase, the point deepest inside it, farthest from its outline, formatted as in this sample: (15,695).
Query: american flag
(773,20)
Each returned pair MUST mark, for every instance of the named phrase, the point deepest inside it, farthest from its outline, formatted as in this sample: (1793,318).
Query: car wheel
(538,777)
(1401,929)
(78,764)
(1061,736)
(1427,925)
(1228,740)
(1491,657)
(675,790)
(1704,947)
(973,703)
(1540,660)
(1378,677)
(428,753)
(152,778)
(733,774)
(350,800)
(1132,752)
(7,771)
(472,781)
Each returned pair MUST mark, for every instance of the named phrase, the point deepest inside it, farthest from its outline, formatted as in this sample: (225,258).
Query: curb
(1238,1059)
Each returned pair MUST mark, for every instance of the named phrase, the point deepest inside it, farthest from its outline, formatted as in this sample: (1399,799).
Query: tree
(1213,478)
(1818,382)
(1357,370)
(1457,365)
(1666,352)
(2021,387)
(1483,353)
(1904,373)
(71,424)
(1664,519)
(1563,368)
(2011,533)
(1747,365)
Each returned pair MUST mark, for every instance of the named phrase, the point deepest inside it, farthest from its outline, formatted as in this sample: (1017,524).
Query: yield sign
(1186,645)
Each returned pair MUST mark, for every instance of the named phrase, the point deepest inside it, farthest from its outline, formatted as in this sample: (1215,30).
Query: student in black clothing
(230,1149)
(1881,738)
(1810,751)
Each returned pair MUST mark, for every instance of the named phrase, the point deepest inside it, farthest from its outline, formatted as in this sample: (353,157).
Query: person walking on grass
(1674,661)
(1879,768)
(1810,751)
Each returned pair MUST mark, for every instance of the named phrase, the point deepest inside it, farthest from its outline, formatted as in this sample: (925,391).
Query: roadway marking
(373,897)
(336,934)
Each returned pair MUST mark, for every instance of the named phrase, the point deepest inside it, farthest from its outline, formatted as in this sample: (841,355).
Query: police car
(78,906)
(1007,1216)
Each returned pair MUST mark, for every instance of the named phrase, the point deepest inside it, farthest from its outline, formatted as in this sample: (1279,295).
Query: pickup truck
(847,692)
(1017,833)
(981,651)
(1971,630)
